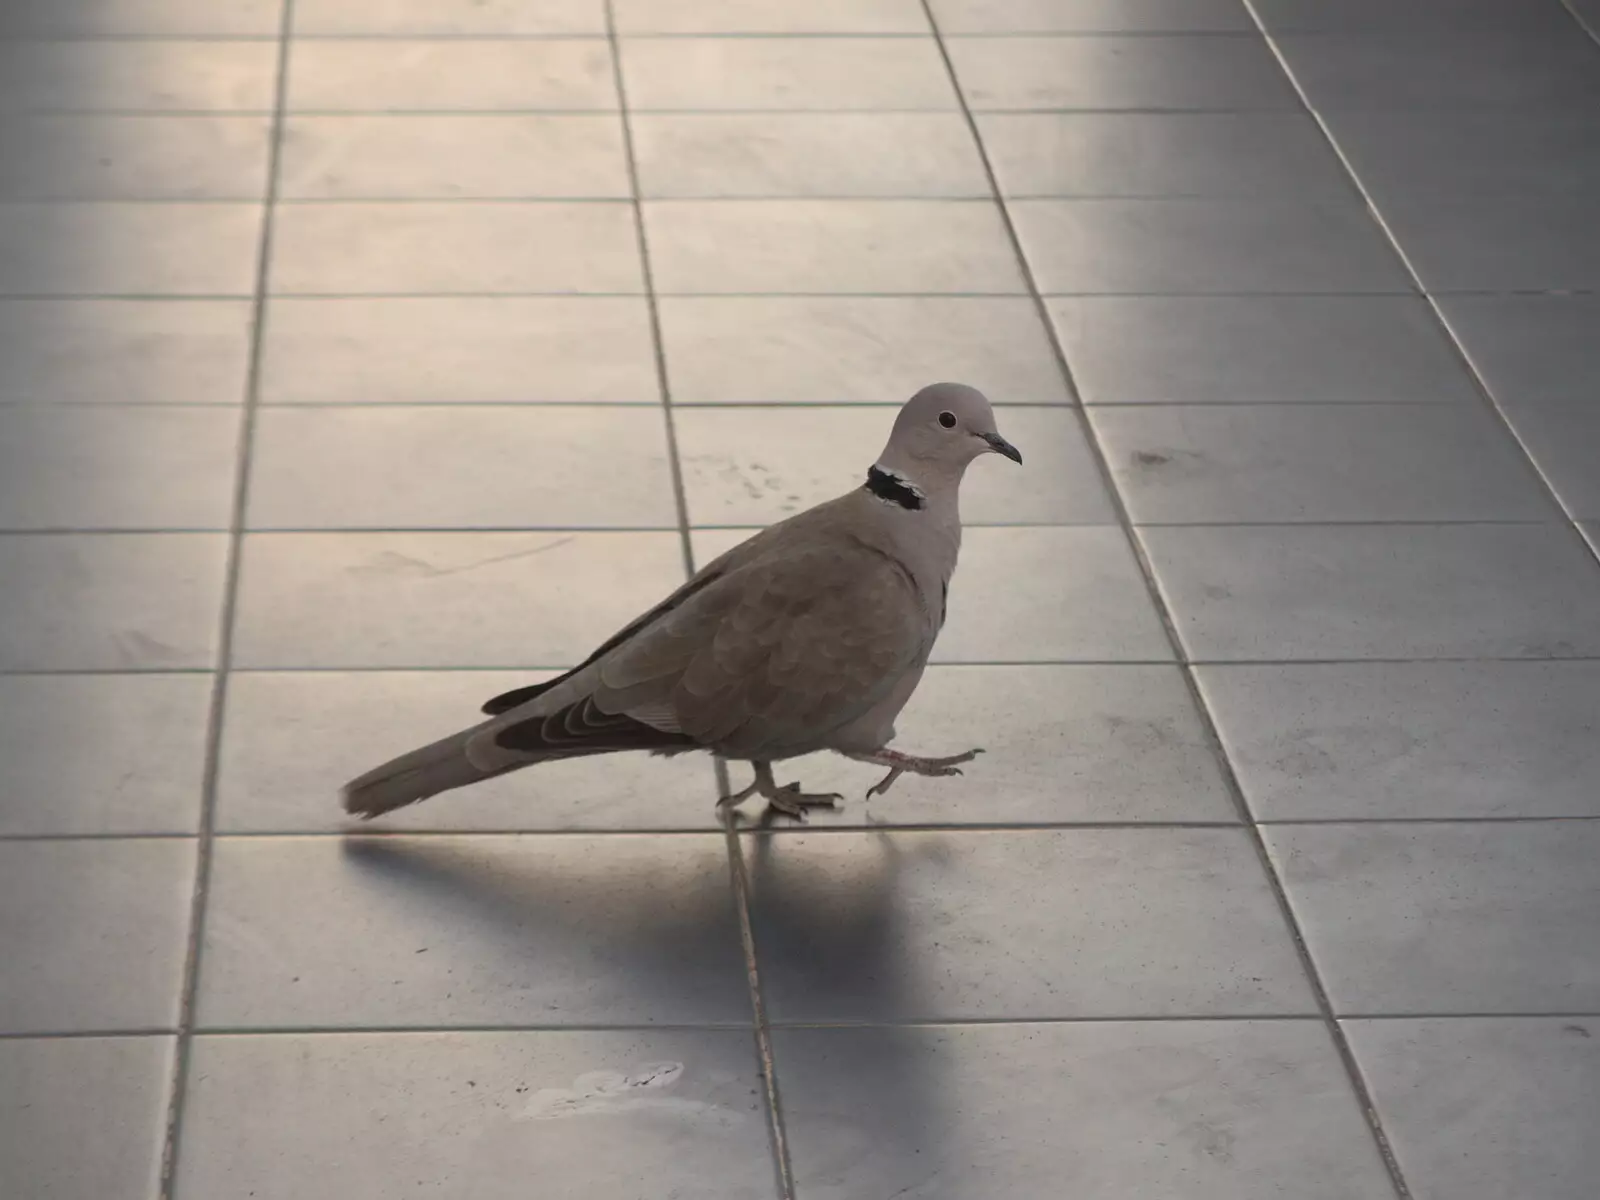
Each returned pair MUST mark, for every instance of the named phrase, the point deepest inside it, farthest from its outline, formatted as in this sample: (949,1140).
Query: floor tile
(128,249)
(133,158)
(84,1118)
(409,467)
(1441,918)
(293,738)
(754,466)
(782,74)
(109,18)
(1480,1108)
(1266,245)
(1530,348)
(591,1113)
(1034,594)
(1250,1109)
(133,351)
(881,926)
(454,17)
(118,467)
(387,74)
(1119,73)
(1252,350)
(1528,243)
(95,933)
(1376,741)
(454,156)
(874,246)
(137,75)
(807,154)
(1565,442)
(1091,16)
(1444,69)
(1162,154)
(139,772)
(1432,16)
(1062,744)
(110,602)
(466,350)
(1390,591)
(771,16)
(1591,531)
(1203,464)
(462,931)
(532,247)
(864,349)
(376,599)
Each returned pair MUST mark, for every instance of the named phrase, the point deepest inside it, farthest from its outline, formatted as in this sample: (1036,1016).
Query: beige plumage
(811,635)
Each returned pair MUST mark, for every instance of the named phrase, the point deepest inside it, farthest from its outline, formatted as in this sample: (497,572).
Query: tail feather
(434,768)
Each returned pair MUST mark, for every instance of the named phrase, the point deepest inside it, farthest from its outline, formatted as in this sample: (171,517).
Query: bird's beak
(1000,446)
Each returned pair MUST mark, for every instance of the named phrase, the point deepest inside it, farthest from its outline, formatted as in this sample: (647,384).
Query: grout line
(1169,626)
(224,654)
(738,879)
(1583,21)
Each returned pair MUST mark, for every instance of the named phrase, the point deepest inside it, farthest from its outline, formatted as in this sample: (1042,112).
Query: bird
(810,635)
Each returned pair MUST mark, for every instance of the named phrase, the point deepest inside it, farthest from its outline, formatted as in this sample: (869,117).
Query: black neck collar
(892,489)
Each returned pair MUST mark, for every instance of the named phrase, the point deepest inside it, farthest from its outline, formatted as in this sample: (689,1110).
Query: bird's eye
(947,419)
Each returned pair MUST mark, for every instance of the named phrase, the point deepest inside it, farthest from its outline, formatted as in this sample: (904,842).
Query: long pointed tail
(437,767)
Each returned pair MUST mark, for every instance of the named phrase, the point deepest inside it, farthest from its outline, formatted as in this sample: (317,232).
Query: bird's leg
(788,799)
(899,764)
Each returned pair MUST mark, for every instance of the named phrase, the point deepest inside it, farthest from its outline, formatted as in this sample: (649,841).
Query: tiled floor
(361,358)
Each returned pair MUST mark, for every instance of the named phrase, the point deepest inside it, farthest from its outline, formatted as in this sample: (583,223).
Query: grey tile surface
(132,158)
(1444,68)
(124,467)
(1448,918)
(771,16)
(462,931)
(1527,243)
(137,75)
(84,1118)
(1062,744)
(1046,593)
(1530,348)
(109,18)
(405,75)
(1252,349)
(453,17)
(754,466)
(1391,591)
(785,74)
(128,249)
(403,467)
(807,154)
(1162,154)
(1091,16)
(841,246)
(1565,442)
(107,351)
(883,926)
(1479,1108)
(141,770)
(1204,464)
(455,156)
(373,599)
(95,933)
(1162,73)
(368,249)
(1201,246)
(293,738)
(1395,16)
(599,1113)
(110,602)
(467,350)
(855,349)
(1389,741)
(1250,1109)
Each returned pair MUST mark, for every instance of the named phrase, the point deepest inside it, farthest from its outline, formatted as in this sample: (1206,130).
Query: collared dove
(811,635)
